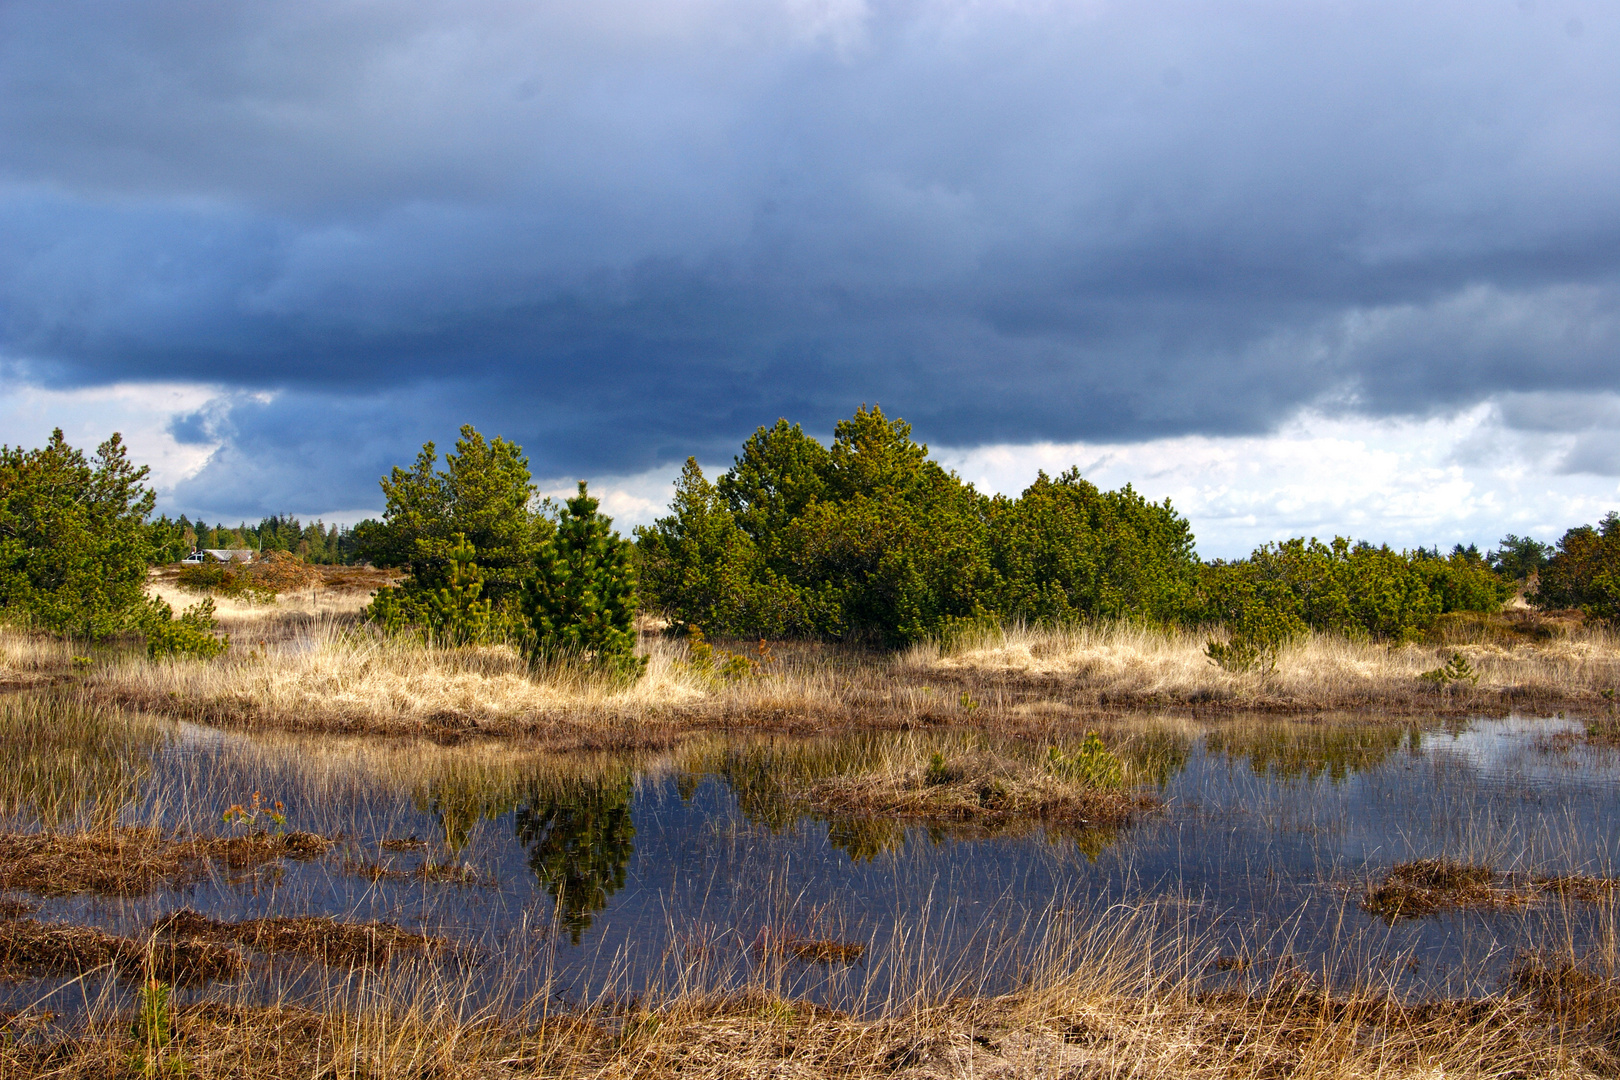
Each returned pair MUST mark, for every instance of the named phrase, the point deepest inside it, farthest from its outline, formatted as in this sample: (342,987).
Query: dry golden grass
(1125,664)
(1103,996)
(317,668)
(332,675)
(31,659)
(339,678)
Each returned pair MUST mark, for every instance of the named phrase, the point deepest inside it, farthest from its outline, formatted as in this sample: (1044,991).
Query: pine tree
(581,601)
(454,611)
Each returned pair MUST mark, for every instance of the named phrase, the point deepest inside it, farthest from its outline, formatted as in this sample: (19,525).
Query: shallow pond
(600,875)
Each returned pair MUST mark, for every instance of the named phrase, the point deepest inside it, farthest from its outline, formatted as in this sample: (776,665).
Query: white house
(222,554)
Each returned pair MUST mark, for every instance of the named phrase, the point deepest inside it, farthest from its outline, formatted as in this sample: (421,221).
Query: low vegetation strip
(29,949)
(324,677)
(319,937)
(976,788)
(136,861)
(1304,1035)
(1427,886)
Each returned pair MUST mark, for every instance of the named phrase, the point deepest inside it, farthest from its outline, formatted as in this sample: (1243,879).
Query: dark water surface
(604,875)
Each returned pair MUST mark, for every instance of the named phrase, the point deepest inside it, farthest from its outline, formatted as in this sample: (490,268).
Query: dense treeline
(1355,589)
(320,543)
(1583,571)
(870,539)
(866,539)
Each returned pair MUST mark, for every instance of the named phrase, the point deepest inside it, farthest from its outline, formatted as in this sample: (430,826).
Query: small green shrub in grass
(1091,764)
(1457,669)
(191,635)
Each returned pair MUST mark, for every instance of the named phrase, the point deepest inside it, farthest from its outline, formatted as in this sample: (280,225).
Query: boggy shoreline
(1555,1020)
(297,671)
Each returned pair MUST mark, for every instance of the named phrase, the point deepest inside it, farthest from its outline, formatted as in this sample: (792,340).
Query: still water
(598,874)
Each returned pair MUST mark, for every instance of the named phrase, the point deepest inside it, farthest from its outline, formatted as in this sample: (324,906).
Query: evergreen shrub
(191,635)
(580,602)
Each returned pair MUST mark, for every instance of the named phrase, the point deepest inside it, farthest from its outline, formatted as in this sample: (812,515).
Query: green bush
(74,545)
(391,610)
(190,636)
(869,539)
(1584,572)
(482,497)
(1343,587)
(1456,669)
(706,570)
(1065,550)
(581,601)
(454,613)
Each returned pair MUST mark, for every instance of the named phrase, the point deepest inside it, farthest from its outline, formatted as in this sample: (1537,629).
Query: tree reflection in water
(579,838)
(1307,751)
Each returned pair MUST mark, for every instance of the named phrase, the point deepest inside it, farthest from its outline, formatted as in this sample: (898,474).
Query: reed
(1117,992)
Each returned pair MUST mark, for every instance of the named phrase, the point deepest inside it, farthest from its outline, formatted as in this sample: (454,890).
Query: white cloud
(1468,477)
(629,500)
(142,413)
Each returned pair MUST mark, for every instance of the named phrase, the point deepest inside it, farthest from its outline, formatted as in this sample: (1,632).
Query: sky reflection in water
(601,874)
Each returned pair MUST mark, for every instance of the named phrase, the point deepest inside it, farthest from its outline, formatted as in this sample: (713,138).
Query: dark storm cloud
(629,231)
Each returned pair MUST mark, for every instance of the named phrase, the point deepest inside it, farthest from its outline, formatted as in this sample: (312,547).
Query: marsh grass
(28,660)
(872,786)
(69,758)
(1126,664)
(319,669)
(32,949)
(1422,887)
(1117,992)
(1425,886)
(433,872)
(980,787)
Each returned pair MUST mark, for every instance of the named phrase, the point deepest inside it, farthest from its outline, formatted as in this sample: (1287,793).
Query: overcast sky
(1301,266)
